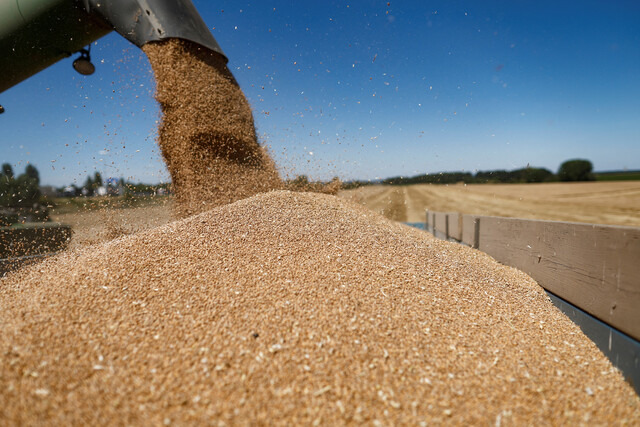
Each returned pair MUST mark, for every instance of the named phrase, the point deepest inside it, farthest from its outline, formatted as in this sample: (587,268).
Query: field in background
(614,203)
(99,219)
(618,176)
(96,220)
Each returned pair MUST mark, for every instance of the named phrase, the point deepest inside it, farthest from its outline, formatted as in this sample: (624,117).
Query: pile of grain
(207,135)
(293,308)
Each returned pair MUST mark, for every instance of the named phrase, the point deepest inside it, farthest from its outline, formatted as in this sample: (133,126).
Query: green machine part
(35,34)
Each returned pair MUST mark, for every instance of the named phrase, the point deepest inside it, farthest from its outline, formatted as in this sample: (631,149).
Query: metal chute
(35,34)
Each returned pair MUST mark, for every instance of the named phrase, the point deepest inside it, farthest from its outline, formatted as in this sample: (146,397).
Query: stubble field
(107,219)
(613,203)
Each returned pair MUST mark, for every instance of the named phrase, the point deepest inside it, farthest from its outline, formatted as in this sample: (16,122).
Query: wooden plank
(440,225)
(430,221)
(470,232)
(455,226)
(433,223)
(427,222)
(596,268)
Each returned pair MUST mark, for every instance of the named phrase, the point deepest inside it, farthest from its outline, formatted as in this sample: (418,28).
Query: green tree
(7,171)
(97,180)
(89,185)
(301,180)
(530,174)
(576,170)
(32,173)
(6,181)
(23,191)
(27,191)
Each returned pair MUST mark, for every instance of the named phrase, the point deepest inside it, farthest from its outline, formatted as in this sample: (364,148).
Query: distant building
(115,187)
(69,191)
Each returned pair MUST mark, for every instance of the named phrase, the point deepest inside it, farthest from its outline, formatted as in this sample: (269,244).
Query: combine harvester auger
(35,34)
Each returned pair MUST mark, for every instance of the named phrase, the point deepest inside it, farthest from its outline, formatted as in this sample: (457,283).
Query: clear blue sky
(364,90)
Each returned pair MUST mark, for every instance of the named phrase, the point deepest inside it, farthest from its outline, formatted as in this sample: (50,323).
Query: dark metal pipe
(37,34)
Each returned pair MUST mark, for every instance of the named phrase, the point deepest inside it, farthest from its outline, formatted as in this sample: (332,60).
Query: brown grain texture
(288,309)
(207,134)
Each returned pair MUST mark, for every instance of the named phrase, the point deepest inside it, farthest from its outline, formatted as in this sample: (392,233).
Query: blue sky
(364,90)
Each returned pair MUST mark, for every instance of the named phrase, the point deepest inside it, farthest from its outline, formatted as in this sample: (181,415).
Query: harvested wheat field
(93,226)
(612,203)
(293,308)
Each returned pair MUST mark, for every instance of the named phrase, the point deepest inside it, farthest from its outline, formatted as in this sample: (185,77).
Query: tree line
(22,190)
(112,186)
(20,196)
(570,170)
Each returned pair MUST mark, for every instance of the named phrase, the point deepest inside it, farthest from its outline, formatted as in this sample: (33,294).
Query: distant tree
(23,191)
(530,174)
(7,171)
(437,178)
(89,185)
(27,191)
(32,173)
(97,180)
(6,183)
(499,175)
(301,181)
(576,170)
